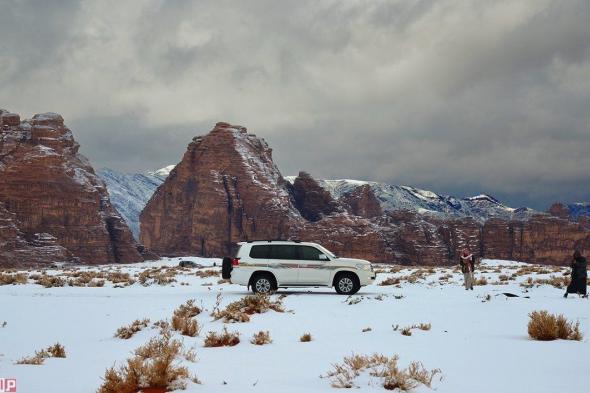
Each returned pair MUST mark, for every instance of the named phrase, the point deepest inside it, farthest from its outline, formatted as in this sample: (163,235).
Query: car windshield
(327,252)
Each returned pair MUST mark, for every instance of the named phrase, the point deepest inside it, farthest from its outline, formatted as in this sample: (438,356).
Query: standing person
(579,275)
(467,263)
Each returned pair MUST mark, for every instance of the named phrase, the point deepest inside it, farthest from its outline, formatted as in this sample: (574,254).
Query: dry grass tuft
(54,351)
(261,338)
(547,327)
(390,281)
(154,366)
(158,275)
(126,332)
(13,279)
(407,331)
(385,368)
(367,329)
(207,273)
(240,310)
(183,319)
(306,337)
(224,339)
(50,281)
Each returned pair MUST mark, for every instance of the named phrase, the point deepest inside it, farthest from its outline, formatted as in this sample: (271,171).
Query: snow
(163,172)
(129,193)
(480,346)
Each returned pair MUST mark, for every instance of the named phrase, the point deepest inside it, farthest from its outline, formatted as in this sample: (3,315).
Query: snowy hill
(130,192)
(393,197)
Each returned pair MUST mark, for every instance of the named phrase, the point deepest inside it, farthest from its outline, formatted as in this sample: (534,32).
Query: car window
(310,253)
(283,252)
(259,252)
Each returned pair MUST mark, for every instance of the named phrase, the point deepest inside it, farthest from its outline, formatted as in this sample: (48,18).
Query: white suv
(268,265)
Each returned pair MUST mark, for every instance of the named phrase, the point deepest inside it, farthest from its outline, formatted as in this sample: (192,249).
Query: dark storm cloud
(457,96)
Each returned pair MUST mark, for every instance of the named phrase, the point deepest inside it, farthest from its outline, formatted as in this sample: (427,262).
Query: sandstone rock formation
(54,206)
(312,201)
(227,189)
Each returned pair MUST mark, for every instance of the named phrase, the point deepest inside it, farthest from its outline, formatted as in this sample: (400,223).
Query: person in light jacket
(467,262)
(579,275)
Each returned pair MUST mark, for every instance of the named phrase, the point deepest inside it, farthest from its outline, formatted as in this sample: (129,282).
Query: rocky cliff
(54,207)
(227,189)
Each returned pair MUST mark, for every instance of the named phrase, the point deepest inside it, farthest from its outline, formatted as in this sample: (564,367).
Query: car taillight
(235,261)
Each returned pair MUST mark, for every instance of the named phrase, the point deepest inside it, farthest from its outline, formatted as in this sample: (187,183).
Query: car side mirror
(324,257)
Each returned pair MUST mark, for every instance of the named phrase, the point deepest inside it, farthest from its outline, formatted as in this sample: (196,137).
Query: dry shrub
(32,360)
(481,281)
(240,310)
(223,339)
(207,273)
(183,319)
(126,332)
(13,279)
(119,277)
(154,365)
(367,329)
(422,326)
(50,281)
(407,331)
(158,275)
(390,281)
(261,338)
(54,351)
(546,327)
(306,337)
(385,368)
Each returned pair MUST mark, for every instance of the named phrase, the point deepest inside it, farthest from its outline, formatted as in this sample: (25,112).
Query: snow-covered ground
(479,342)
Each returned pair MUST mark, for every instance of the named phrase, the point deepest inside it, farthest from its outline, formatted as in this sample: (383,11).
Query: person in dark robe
(579,275)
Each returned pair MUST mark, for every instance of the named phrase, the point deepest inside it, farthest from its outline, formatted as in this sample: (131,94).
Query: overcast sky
(460,97)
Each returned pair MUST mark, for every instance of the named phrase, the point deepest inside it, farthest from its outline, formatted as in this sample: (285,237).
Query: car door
(283,262)
(314,266)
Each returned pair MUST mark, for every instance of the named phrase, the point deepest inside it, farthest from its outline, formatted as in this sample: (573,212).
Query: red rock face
(362,202)
(559,210)
(312,201)
(227,189)
(51,189)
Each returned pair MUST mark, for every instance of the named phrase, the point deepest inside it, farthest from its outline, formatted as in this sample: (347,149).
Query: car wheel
(263,283)
(347,284)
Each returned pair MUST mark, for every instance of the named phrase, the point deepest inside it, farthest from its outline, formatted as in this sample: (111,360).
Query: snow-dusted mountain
(130,192)
(579,209)
(393,197)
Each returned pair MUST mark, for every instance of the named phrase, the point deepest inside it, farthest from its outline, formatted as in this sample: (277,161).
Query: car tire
(347,284)
(263,284)
(226,268)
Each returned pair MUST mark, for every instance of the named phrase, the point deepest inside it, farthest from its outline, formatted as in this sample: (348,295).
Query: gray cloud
(456,96)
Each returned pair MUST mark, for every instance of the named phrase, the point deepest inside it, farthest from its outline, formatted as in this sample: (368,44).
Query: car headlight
(362,266)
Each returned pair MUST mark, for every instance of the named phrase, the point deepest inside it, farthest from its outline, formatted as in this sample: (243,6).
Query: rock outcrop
(53,200)
(227,189)
(312,201)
